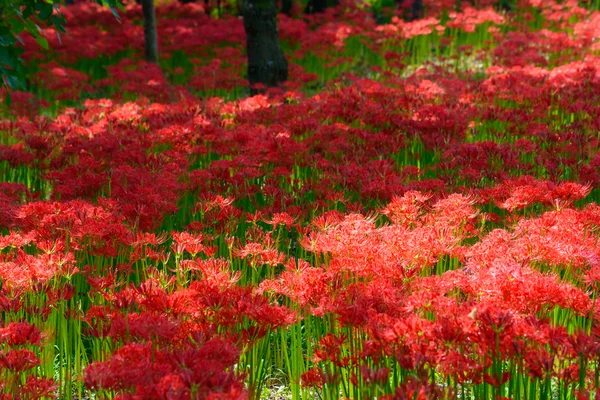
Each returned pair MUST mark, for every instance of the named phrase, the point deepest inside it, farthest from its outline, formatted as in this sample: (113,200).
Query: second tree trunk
(150,36)
(267,65)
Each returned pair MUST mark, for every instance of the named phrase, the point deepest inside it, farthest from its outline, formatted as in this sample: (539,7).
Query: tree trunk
(150,37)
(267,65)
(286,7)
(319,6)
(416,10)
(315,6)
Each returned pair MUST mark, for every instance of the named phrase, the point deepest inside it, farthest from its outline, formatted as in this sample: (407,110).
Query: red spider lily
(329,349)
(37,388)
(216,272)
(24,270)
(150,371)
(406,210)
(374,376)
(142,327)
(20,333)
(281,219)
(305,285)
(312,378)
(260,255)
(592,278)
(15,240)
(171,387)
(469,18)
(94,228)
(16,155)
(414,389)
(193,244)
(153,296)
(102,283)
(584,345)
(130,366)
(18,360)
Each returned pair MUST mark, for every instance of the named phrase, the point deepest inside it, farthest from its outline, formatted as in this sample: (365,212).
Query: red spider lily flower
(592,278)
(470,17)
(377,376)
(173,387)
(539,362)
(64,293)
(406,210)
(97,320)
(566,193)
(304,285)
(25,270)
(235,393)
(215,271)
(312,378)
(494,321)
(144,326)
(11,301)
(461,367)
(102,283)
(37,388)
(258,309)
(192,243)
(494,381)
(133,365)
(329,349)
(15,240)
(97,229)
(20,333)
(584,345)
(281,218)
(260,255)
(149,239)
(147,371)
(413,388)
(18,360)
(327,219)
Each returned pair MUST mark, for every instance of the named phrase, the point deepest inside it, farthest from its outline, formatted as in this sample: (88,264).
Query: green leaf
(27,11)
(45,10)
(7,99)
(58,22)
(12,80)
(7,40)
(32,27)
(113,5)
(42,42)
(16,25)
(8,58)
(115,13)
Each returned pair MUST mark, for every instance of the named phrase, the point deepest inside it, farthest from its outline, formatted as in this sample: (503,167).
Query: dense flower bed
(413,217)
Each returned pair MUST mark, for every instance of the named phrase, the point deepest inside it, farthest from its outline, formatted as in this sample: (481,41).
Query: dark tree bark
(319,6)
(315,6)
(150,36)
(267,65)
(286,7)
(416,10)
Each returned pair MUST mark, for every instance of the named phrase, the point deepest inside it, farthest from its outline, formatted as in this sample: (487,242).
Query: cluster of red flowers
(428,234)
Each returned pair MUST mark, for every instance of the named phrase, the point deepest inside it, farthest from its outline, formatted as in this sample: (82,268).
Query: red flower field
(413,215)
